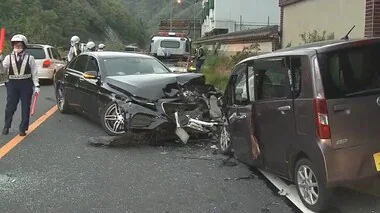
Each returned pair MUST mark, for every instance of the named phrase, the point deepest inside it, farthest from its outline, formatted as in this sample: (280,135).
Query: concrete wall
(226,14)
(334,16)
(232,49)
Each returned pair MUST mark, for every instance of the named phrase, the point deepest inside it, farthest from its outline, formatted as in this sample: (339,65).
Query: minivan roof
(321,46)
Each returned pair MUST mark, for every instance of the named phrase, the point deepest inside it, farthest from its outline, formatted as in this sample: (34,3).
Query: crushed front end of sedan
(168,104)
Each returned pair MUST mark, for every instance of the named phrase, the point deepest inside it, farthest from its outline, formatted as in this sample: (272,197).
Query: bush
(217,68)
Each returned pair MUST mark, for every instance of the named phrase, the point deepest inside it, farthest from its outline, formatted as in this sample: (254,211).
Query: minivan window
(170,44)
(241,89)
(350,72)
(271,79)
(37,53)
(295,65)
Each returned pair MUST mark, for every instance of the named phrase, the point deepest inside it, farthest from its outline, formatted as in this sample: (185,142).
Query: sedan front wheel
(112,120)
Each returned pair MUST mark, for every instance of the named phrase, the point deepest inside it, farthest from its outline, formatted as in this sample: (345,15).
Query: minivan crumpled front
(170,101)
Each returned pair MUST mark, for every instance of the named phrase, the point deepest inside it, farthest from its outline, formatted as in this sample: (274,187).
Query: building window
(211,4)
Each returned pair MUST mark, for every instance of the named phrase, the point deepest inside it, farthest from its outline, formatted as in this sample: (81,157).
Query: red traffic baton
(33,107)
(2,37)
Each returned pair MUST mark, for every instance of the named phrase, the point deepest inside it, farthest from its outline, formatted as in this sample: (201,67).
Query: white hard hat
(90,45)
(74,40)
(20,38)
(101,46)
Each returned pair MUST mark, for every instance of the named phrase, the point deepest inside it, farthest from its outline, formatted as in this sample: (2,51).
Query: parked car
(130,91)
(47,58)
(309,114)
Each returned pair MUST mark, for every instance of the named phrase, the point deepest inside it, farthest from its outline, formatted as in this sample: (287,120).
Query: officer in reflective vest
(91,47)
(101,47)
(74,49)
(22,78)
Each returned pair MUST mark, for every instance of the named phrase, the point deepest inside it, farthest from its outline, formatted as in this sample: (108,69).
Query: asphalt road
(54,169)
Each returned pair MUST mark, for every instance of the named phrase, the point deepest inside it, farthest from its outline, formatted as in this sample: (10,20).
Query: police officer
(23,77)
(74,49)
(101,47)
(91,47)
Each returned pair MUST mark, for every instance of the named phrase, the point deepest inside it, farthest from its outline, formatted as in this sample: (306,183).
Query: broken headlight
(142,100)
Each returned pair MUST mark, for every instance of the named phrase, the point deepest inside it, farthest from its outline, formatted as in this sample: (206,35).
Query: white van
(172,48)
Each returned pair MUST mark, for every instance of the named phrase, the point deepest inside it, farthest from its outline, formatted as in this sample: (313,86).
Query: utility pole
(171,15)
(195,2)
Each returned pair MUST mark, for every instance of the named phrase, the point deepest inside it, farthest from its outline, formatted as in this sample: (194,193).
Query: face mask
(17,50)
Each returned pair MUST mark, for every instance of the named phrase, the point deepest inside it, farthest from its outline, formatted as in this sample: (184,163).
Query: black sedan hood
(150,86)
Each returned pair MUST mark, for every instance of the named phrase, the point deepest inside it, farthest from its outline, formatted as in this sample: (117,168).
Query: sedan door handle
(341,107)
(284,108)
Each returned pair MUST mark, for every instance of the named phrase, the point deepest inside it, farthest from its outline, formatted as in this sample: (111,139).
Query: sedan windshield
(133,66)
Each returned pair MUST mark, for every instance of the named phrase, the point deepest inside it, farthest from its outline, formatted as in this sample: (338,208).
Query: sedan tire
(112,120)
(310,186)
(62,104)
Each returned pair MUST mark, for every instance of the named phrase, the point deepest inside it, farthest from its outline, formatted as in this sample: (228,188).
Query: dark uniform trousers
(19,87)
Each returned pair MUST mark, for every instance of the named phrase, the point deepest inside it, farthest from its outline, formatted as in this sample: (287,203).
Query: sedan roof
(110,54)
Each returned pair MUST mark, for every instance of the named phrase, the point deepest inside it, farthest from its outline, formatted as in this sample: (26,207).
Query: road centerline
(17,139)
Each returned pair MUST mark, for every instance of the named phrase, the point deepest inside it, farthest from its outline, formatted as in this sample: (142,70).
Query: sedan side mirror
(90,75)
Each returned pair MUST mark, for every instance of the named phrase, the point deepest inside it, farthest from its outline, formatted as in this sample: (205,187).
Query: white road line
(2,84)
(289,191)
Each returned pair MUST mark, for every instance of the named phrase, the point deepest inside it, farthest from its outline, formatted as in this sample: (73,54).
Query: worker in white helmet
(74,49)
(101,47)
(90,46)
(22,78)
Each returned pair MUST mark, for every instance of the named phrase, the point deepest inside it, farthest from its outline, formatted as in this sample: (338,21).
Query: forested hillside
(151,12)
(114,22)
(55,21)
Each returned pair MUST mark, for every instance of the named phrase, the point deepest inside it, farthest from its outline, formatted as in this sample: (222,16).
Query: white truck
(173,49)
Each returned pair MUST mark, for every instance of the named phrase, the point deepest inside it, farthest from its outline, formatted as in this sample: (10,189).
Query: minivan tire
(324,193)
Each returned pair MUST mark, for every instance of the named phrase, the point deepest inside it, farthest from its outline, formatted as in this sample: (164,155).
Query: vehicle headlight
(142,100)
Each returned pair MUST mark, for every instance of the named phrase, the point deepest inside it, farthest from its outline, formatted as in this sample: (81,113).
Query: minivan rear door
(351,81)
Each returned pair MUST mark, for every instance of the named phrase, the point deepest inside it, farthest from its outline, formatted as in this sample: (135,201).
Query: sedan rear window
(350,72)
(132,66)
(170,44)
(37,53)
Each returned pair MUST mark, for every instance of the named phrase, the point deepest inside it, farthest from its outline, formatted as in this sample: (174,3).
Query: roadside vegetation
(217,67)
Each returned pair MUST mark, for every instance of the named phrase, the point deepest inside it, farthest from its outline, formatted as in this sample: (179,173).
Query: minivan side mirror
(90,75)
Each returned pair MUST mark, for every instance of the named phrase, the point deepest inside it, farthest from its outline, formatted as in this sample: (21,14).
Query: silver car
(47,59)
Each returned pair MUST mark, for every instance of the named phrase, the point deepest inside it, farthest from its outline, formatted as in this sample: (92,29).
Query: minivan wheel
(224,140)
(311,189)
(112,120)
(62,104)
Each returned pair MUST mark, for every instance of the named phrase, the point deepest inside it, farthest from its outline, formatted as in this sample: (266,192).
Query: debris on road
(266,209)
(249,177)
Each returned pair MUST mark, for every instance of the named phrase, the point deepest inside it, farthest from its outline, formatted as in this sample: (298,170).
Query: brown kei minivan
(310,114)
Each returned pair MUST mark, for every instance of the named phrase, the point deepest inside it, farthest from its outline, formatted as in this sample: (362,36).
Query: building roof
(251,34)
(283,3)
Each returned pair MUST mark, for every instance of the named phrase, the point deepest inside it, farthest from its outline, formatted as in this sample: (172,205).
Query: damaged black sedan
(135,92)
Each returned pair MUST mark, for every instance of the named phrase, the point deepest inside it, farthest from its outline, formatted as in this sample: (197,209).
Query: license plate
(377,161)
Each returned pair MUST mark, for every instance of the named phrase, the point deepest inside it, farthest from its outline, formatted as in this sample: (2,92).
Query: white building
(226,16)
